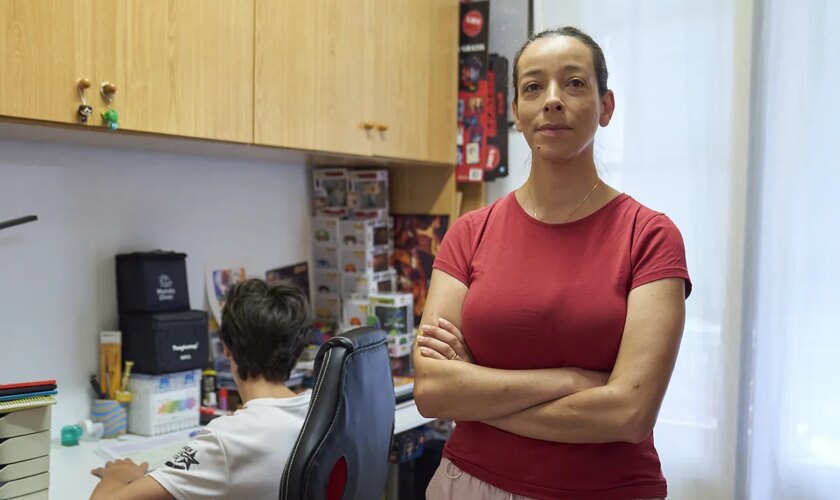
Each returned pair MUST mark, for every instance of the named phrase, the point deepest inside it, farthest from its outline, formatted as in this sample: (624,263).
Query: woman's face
(558,108)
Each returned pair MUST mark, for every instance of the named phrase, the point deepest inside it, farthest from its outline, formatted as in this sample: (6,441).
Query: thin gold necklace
(534,204)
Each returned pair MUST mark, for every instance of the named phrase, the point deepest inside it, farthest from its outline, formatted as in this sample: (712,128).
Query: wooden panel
(442,81)
(473,196)
(45,46)
(402,63)
(312,75)
(427,190)
(415,54)
(184,67)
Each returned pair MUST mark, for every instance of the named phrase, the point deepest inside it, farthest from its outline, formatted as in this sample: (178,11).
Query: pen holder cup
(113,416)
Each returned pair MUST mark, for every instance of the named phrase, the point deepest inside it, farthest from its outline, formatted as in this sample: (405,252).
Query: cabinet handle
(83,84)
(107,89)
(382,127)
(368,125)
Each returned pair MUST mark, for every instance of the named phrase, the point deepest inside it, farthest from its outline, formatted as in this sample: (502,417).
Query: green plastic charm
(111,118)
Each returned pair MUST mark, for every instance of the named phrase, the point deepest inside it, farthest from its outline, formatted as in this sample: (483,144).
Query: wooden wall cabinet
(363,77)
(183,67)
(45,46)
(367,78)
(180,67)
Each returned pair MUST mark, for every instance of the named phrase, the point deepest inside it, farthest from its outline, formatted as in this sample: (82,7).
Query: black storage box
(149,282)
(165,342)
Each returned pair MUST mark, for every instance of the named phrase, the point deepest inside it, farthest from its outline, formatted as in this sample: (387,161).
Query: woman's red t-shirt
(554,295)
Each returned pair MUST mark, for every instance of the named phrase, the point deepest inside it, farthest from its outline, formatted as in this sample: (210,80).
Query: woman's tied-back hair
(266,328)
(598,61)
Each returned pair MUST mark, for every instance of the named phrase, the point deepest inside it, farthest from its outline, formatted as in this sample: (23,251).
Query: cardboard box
(328,282)
(326,257)
(329,188)
(395,311)
(325,230)
(370,260)
(363,234)
(327,307)
(368,190)
(355,313)
(360,285)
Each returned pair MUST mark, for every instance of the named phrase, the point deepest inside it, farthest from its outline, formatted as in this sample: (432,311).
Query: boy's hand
(124,471)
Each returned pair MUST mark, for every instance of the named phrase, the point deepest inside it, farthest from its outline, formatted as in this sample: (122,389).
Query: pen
(94,383)
(128,365)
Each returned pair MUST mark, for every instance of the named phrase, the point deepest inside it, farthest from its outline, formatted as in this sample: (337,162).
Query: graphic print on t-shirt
(184,459)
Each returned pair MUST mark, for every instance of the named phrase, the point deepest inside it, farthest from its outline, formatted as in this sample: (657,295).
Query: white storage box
(164,403)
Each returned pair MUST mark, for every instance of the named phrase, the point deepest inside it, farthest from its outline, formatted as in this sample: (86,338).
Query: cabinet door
(184,67)
(45,47)
(415,53)
(312,84)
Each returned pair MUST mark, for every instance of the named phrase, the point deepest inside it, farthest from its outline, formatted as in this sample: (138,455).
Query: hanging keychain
(110,115)
(84,110)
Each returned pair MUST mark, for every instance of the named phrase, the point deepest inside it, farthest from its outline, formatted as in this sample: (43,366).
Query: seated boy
(264,330)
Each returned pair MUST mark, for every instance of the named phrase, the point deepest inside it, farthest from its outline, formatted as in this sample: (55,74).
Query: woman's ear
(607,108)
(515,108)
(226,351)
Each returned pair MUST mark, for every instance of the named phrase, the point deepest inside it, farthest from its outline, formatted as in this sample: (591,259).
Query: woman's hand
(443,341)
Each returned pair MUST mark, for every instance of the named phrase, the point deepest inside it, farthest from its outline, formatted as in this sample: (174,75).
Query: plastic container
(164,403)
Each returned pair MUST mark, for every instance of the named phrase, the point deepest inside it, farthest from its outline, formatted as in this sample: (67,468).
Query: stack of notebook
(25,411)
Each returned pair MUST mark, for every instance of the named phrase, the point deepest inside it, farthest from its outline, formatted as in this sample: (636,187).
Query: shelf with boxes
(25,418)
(353,244)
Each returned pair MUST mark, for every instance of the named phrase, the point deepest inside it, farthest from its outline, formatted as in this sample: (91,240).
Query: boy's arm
(199,470)
(125,480)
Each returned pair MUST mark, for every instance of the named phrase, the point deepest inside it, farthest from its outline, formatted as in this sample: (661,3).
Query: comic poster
(417,239)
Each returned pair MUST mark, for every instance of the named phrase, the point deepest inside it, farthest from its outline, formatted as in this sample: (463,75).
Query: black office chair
(342,450)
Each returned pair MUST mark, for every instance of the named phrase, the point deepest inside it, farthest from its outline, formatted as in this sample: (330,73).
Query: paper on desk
(154,450)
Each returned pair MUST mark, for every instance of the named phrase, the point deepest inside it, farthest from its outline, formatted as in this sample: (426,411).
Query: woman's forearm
(461,391)
(598,415)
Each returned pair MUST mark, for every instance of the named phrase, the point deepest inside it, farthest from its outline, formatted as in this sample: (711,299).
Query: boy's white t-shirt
(238,456)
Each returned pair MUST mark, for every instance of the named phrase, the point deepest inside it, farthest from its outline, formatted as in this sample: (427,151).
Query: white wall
(57,278)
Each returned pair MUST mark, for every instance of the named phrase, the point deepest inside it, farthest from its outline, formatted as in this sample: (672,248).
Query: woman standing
(571,300)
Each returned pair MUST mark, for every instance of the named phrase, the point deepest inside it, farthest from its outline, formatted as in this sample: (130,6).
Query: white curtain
(678,144)
(705,104)
(792,313)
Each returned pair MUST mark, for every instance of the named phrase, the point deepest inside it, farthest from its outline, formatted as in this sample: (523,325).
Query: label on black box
(165,291)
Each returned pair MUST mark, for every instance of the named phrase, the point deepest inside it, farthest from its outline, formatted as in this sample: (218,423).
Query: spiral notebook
(26,403)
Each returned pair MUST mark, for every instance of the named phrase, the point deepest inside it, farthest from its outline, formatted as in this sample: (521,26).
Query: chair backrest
(342,450)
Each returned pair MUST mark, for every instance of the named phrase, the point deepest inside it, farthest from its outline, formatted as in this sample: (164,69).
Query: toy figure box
(327,282)
(371,260)
(360,285)
(329,188)
(368,190)
(395,311)
(363,234)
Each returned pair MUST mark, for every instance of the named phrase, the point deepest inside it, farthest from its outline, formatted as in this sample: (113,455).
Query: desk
(70,467)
